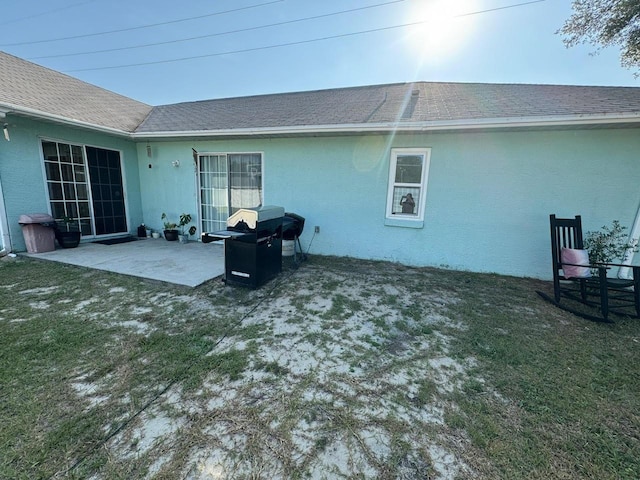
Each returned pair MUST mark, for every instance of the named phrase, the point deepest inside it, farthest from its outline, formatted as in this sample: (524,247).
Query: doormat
(114,241)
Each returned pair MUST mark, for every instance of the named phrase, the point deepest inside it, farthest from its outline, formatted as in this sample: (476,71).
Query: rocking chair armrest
(607,265)
(592,265)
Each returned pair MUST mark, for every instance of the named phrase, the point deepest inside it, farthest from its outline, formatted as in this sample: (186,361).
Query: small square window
(406,197)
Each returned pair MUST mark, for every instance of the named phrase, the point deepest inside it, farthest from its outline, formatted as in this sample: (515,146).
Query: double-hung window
(406,198)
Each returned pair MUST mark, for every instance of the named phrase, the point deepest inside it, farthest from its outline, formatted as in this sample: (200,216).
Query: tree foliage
(606,23)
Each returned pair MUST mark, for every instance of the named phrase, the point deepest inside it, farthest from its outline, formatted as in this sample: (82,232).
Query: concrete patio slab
(188,264)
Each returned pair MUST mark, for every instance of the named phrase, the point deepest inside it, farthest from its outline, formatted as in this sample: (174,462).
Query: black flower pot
(171,235)
(68,239)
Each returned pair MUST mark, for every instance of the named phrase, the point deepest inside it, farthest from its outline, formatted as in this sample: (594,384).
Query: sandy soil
(347,375)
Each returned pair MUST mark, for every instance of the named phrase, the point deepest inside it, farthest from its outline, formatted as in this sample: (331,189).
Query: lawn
(339,369)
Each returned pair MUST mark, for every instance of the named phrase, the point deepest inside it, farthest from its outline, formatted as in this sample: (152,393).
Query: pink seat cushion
(577,256)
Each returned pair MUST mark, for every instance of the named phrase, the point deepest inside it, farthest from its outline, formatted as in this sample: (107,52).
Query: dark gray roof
(405,102)
(31,87)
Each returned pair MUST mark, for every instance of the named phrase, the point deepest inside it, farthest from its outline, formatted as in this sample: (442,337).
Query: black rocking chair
(609,295)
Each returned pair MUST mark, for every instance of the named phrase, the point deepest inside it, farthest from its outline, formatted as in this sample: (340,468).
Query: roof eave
(51,117)
(447,125)
(357,128)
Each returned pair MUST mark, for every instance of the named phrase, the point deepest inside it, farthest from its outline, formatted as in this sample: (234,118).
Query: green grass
(63,326)
(571,388)
(560,396)
(543,395)
(426,392)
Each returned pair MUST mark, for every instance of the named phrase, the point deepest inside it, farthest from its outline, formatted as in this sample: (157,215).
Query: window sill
(404,222)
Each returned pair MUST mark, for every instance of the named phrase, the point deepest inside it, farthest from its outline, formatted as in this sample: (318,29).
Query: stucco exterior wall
(489,195)
(22,174)
(165,188)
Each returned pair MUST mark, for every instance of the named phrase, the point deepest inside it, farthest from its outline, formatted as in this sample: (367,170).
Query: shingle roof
(27,85)
(37,89)
(405,102)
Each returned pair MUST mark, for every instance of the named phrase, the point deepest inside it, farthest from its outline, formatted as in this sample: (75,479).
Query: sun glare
(444,25)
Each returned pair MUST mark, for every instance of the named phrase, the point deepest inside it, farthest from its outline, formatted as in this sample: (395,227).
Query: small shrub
(609,244)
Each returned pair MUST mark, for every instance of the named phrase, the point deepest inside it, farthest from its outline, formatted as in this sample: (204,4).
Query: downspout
(634,236)
(5,239)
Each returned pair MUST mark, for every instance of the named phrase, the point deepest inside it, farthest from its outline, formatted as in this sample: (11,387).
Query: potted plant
(185,219)
(170,230)
(609,244)
(67,231)
(176,231)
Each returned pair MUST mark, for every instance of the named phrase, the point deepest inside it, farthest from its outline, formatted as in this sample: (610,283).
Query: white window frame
(415,220)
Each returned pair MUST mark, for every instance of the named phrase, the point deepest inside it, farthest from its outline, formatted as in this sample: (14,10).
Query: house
(459,175)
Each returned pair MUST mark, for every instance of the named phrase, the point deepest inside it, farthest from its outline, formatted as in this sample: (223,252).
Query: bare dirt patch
(346,369)
(340,379)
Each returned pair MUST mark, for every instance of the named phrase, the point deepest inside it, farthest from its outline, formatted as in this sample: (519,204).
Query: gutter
(354,128)
(447,125)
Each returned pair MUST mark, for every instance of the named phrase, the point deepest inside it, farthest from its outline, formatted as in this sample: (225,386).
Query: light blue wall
(165,188)
(22,176)
(488,201)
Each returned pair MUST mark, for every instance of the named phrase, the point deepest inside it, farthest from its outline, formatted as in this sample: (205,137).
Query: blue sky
(458,40)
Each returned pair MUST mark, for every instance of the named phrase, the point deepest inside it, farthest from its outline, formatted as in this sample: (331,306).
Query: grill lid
(252,216)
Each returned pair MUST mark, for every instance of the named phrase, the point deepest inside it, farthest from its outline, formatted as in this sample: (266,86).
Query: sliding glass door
(107,191)
(228,182)
(85,184)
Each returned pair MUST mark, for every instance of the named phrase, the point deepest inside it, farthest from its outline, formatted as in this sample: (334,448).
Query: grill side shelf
(208,237)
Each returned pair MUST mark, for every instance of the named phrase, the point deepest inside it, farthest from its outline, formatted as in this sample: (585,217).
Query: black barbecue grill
(292,226)
(252,245)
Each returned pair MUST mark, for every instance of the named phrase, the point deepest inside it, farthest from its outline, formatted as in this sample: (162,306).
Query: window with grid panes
(67,183)
(408,173)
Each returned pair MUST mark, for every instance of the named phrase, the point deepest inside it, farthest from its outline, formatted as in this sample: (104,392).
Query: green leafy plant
(184,220)
(70,224)
(609,244)
(167,224)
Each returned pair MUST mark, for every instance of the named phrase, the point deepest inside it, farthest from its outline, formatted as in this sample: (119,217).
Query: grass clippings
(341,369)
